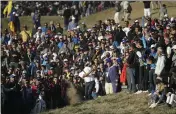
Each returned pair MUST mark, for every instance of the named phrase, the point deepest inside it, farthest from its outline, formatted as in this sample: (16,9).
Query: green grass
(120,103)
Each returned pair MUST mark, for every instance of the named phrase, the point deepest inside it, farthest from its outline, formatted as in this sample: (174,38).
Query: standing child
(152,76)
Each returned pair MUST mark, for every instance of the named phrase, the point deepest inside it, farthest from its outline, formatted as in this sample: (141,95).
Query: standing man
(127,10)
(147,11)
(89,80)
(131,68)
(117,9)
(114,76)
(36,18)
(66,15)
(72,24)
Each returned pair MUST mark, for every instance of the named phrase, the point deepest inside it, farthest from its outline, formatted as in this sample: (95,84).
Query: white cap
(40,28)
(60,37)
(14,13)
(152,46)
(72,68)
(172,18)
(83,23)
(167,27)
(65,60)
(73,18)
(174,47)
(56,36)
(89,30)
(165,15)
(76,74)
(100,38)
(24,72)
(145,24)
(77,27)
(136,21)
(111,47)
(97,47)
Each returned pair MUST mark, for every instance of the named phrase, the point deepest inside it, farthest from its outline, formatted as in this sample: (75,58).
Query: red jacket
(123,74)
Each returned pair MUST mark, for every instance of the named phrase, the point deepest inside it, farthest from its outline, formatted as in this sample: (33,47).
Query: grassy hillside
(120,103)
(137,13)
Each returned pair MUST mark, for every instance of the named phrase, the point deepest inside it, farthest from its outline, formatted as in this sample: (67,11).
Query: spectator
(147,11)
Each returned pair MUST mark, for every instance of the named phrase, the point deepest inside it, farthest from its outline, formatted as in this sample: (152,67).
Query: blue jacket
(113,74)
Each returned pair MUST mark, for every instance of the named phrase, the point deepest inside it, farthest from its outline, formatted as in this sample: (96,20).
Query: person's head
(152,48)
(158,80)
(46,25)
(136,22)
(39,29)
(109,62)
(126,23)
(164,5)
(150,59)
(55,80)
(25,27)
(136,29)
(167,41)
(132,47)
(174,48)
(12,78)
(73,19)
(159,50)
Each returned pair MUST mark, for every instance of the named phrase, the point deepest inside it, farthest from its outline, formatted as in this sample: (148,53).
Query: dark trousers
(88,89)
(141,78)
(152,80)
(145,79)
(131,79)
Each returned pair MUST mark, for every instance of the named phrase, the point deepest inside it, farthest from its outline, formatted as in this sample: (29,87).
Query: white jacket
(160,64)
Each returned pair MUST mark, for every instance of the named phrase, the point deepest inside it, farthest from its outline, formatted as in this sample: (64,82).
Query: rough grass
(137,13)
(120,103)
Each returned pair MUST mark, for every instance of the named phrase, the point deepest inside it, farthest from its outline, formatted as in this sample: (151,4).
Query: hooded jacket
(160,64)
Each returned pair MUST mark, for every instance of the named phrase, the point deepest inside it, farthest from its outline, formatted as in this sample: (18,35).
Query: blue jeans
(152,80)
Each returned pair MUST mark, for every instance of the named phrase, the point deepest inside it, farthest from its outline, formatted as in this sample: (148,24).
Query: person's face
(130,49)
(96,61)
(158,52)
(137,23)
(55,80)
(126,23)
(174,50)
(152,49)
(136,30)
(12,79)
(108,64)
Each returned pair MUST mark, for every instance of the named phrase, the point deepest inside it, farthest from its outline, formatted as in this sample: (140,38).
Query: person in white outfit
(117,14)
(89,79)
(160,64)
(147,11)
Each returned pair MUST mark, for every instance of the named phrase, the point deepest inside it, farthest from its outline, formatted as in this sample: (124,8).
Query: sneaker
(138,92)
(145,91)
(149,94)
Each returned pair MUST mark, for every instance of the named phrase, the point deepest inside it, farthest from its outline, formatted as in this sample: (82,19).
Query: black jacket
(146,4)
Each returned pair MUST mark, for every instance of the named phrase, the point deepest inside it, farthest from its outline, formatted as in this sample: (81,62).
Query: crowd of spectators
(50,8)
(38,66)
